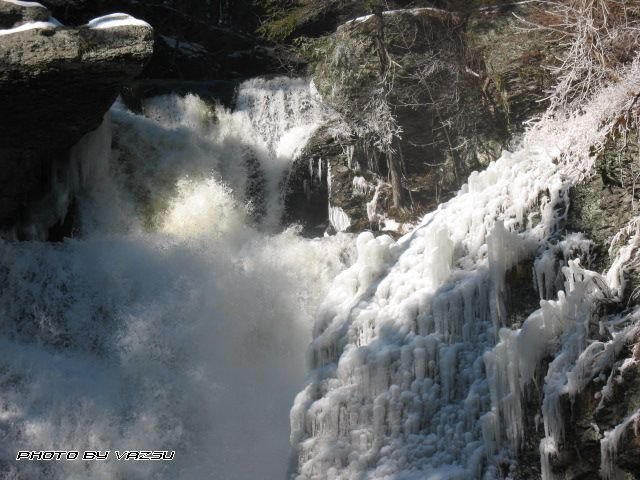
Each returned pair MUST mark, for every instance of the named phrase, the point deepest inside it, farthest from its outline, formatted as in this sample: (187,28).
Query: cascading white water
(177,321)
(173,321)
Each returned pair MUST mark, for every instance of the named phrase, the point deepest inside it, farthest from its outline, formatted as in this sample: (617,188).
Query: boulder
(60,81)
(14,14)
(56,84)
(194,39)
(451,94)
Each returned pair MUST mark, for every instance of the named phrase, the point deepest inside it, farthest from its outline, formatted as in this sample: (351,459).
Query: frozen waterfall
(417,370)
(180,315)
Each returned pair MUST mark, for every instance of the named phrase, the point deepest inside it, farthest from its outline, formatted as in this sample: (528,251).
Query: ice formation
(339,219)
(609,446)
(362,188)
(173,321)
(417,372)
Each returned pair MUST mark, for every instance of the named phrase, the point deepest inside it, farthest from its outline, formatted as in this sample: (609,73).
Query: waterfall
(176,319)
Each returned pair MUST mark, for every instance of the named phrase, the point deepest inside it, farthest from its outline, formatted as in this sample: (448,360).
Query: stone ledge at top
(57,82)
(13,14)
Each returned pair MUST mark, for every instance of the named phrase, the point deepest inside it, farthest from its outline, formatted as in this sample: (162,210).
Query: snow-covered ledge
(113,20)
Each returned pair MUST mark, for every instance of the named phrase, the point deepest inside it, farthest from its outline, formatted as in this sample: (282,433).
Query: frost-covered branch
(598,36)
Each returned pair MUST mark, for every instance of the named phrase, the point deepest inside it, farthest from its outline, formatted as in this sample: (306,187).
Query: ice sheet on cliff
(406,382)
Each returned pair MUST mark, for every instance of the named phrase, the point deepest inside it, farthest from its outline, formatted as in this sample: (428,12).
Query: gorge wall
(416,99)
(56,84)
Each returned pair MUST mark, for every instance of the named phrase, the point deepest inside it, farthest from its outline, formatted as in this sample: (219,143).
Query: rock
(65,73)
(56,85)
(628,455)
(509,60)
(307,196)
(605,202)
(311,18)
(195,39)
(15,14)
(459,86)
(592,412)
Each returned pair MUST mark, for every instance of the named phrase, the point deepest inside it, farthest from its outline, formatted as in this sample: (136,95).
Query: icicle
(609,447)
(339,219)
(361,188)
(439,294)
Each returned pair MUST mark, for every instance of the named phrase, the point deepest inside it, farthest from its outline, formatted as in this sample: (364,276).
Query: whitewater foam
(173,321)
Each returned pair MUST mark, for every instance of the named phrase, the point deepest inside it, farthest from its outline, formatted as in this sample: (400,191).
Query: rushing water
(178,316)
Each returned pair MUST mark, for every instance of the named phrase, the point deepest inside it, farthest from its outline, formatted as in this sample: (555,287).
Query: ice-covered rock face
(416,372)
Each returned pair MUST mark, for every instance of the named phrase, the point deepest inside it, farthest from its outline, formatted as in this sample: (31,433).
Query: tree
(394,160)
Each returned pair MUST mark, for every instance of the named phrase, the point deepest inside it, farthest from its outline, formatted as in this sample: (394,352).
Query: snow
(52,23)
(410,11)
(416,369)
(25,4)
(189,49)
(115,20)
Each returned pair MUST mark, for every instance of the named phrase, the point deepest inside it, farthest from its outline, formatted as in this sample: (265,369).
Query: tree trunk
(400,197)
(380,43)
(394,163)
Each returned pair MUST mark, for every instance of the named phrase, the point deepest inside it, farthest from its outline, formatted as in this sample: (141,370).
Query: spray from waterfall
(173,321)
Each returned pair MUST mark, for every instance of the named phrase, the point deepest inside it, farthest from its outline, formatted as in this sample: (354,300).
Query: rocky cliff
(452,88)
(455,90)
(56,84)
(418,97)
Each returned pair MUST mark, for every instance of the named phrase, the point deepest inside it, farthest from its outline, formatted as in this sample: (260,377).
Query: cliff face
(436,90)
(56,84)
(447,94)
